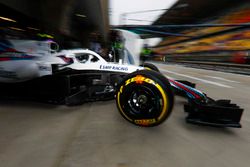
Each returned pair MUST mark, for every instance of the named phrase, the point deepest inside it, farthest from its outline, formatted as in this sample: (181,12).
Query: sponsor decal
(112,67)
(139,79)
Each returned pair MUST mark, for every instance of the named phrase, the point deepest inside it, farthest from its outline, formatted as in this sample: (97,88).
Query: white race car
(33,70)
(21,62)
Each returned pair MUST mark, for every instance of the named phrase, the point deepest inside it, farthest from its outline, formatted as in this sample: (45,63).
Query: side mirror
(54,47)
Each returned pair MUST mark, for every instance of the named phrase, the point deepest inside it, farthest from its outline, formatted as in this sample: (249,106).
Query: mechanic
(145,53)
(117,45)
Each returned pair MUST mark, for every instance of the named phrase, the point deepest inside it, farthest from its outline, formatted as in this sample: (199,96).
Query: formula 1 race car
(32,70)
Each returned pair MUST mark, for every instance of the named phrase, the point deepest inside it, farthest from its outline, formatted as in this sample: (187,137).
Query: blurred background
(174,35)
(177,31)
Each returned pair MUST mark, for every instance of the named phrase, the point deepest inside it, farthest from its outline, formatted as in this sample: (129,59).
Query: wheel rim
(143,102)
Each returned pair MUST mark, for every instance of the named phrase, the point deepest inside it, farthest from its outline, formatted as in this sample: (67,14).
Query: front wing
(206,111)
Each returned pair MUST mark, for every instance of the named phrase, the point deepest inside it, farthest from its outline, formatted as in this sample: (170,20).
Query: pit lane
(94,134)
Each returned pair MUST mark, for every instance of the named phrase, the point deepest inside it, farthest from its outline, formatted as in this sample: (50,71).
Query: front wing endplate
(220,113)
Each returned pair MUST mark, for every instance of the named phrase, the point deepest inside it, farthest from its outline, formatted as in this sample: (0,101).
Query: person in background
(146,53)
(95,43)
(116,46)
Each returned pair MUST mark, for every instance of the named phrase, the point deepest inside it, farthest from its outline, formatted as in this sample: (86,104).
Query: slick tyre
(145,98)
(149,66)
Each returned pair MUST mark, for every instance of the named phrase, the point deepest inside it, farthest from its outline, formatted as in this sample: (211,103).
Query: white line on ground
(198,79)
(169,77)
(221,72)
(222,79)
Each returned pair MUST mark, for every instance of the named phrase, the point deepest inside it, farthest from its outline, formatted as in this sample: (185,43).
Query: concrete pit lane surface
(95,134)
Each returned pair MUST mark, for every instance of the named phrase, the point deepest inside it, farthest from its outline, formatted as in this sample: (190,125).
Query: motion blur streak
(198,79)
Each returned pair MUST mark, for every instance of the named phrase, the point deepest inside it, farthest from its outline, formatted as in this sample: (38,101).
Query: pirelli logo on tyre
(139,79)
(145,122)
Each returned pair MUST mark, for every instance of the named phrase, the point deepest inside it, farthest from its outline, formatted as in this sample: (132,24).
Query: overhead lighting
(7,19)
(15,28)
(81,15)
(32,28)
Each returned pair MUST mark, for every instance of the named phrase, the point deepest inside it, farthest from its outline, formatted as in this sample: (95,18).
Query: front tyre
(145,98)
(149,66)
